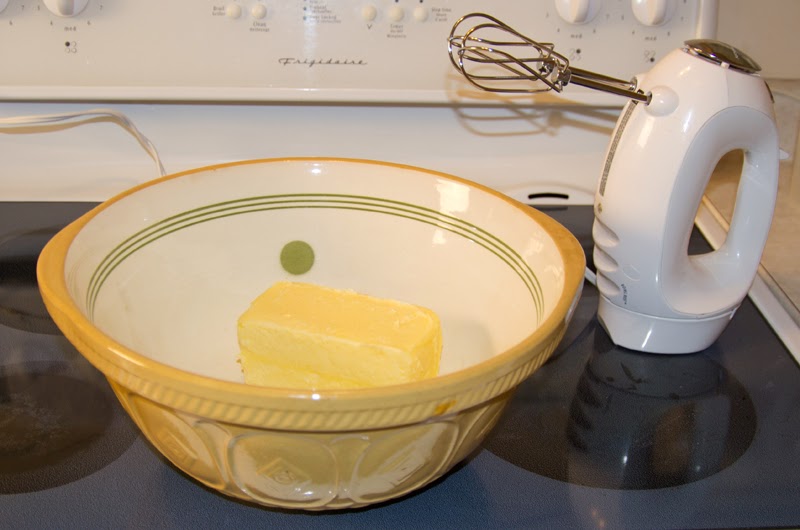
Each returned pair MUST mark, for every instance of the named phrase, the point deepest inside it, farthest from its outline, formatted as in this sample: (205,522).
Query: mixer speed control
(65,8)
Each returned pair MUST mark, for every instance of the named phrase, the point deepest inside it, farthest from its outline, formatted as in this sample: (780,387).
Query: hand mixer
(694,106)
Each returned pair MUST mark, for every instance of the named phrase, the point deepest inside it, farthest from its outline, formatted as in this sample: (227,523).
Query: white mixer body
(655,297)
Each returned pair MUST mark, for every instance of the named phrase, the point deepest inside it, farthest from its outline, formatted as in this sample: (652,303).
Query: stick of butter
(299,335)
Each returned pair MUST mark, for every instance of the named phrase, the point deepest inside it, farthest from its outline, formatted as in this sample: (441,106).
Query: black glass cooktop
(599,437)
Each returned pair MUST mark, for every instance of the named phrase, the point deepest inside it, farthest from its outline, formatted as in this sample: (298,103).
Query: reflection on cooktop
(59,419)
(602,416)
(57,424)
(21,306)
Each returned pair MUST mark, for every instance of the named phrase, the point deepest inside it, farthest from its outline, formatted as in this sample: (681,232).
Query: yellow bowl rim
(439,389)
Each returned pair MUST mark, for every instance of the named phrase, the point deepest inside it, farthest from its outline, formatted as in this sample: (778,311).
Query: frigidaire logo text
(291,61)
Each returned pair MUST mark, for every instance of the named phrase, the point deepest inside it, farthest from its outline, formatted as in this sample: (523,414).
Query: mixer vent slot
(607,287)
(603,235)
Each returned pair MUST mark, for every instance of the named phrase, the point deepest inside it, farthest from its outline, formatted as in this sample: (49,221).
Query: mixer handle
(706,283)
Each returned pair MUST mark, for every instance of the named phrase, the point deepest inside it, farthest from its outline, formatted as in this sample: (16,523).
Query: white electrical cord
(83,116)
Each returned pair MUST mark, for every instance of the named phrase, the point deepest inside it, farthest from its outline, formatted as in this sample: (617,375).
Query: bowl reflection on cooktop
(607,417)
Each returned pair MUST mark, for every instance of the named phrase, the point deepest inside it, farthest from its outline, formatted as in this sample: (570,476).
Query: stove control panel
(310,50)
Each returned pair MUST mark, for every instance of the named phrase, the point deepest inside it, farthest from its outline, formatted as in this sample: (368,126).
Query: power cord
(84,116)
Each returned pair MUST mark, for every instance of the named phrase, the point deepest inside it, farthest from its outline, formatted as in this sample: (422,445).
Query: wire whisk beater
(495,57)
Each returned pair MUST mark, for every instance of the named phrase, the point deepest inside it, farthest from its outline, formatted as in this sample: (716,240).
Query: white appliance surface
(214,81)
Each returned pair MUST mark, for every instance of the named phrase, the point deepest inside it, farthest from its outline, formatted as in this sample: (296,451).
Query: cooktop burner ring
(623,420)
(59,422)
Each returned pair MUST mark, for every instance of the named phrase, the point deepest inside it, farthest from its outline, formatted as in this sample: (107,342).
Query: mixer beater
(486,54)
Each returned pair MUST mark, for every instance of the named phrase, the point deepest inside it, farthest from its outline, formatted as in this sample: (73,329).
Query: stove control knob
(396,13)
(653,12)
(65,8)
(258,11)
(233,10)
(369,12)
(577,11)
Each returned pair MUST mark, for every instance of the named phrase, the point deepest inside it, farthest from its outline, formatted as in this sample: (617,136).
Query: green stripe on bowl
(362,203)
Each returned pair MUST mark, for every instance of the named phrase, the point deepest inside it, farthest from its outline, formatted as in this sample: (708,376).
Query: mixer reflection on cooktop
(598,437)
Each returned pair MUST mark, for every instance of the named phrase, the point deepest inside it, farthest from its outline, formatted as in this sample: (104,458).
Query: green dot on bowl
(297,257)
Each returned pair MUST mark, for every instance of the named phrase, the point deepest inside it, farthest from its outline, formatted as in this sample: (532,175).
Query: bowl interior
(166,269)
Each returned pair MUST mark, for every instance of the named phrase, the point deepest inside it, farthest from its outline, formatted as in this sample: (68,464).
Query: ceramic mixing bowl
(149,286)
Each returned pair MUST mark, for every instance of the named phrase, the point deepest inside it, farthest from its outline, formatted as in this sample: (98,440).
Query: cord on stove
(118,117)
(590,276)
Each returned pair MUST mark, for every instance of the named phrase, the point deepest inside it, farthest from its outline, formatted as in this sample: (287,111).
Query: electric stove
(599,437)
